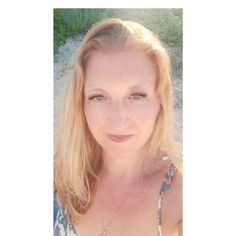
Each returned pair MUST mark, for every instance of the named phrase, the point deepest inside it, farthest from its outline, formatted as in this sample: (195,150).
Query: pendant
(105,231)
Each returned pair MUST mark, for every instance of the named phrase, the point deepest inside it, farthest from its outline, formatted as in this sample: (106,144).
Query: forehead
(125,67)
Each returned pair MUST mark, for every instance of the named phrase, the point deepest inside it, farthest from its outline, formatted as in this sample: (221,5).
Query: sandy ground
(63,62)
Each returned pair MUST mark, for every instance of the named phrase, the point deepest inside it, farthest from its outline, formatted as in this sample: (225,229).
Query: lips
(119,138)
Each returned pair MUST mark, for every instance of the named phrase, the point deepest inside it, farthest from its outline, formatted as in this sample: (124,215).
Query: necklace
(107,227)
(105,231)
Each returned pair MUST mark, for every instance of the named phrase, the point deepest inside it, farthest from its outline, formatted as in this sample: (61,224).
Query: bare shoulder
(177,184)
(173,197)
(175,194)
(178,197)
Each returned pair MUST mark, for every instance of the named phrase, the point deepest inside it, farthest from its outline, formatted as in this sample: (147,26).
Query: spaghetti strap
(62,226)
(167,180)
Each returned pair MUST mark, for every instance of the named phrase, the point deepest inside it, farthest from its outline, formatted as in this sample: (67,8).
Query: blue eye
(138,96)
(97,98)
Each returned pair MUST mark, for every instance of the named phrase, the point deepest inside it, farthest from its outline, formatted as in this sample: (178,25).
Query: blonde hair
(78,156)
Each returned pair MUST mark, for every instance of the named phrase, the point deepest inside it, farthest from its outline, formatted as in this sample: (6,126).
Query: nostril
(117,122)
(117,119)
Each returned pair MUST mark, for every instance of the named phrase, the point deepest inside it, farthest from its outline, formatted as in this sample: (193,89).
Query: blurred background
(70,25)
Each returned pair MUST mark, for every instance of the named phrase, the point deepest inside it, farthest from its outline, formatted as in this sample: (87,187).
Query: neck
(122,167)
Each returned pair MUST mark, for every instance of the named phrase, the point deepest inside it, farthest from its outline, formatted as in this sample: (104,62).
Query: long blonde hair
(78,156)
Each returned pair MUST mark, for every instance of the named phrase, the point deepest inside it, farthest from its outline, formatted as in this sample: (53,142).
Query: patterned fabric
(63,228)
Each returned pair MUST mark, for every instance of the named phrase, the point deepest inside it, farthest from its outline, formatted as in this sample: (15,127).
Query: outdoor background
(70,25)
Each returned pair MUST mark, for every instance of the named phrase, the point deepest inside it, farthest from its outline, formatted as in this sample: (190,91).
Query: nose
(118,116)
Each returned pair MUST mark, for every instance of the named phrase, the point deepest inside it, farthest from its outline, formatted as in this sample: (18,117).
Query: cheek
(94,116)
(147,113)
(144,119)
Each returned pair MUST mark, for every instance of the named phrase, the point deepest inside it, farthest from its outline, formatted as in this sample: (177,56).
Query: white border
(26,125)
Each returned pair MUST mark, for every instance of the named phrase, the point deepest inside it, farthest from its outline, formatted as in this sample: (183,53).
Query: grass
(167,23)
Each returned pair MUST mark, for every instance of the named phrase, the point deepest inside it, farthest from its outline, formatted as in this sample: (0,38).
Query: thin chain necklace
(108,225)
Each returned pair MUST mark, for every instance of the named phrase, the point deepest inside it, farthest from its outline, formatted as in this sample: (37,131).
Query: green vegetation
(71,22)
(167,23)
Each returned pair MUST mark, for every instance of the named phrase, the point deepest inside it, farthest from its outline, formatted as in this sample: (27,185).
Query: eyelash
(142,95)
(97,97)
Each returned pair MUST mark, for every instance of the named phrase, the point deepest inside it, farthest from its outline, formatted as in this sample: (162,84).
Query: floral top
(63,228)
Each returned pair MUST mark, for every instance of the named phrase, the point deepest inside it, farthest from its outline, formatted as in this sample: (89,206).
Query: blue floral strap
(167,181)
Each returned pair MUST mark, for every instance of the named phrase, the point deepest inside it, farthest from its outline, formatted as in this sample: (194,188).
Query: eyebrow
(138,86)
(96,89)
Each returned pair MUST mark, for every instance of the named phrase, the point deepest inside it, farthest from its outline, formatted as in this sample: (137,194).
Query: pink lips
(119,138)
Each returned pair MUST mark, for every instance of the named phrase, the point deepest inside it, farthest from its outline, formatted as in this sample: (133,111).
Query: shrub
(70,22)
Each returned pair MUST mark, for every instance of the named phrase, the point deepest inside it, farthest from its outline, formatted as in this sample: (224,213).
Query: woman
(114,166)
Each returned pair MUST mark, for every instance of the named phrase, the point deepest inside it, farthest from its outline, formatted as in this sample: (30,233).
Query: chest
(136,215)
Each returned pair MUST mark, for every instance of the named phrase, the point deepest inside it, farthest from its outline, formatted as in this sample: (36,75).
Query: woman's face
(120,102)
